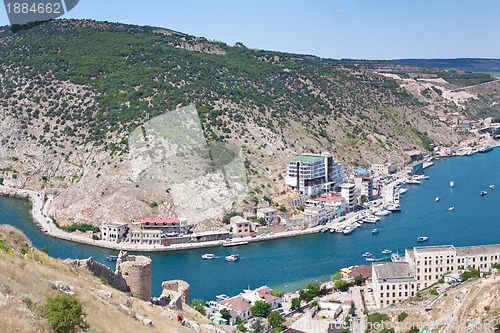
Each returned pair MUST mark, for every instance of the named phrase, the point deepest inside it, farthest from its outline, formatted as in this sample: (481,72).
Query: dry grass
(25,282)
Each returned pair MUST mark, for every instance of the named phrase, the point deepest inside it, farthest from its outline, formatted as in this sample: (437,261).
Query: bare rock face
(174,294)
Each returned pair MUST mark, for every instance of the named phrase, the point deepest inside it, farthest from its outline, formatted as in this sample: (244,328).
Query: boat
(382,212)
(422,238)
(172,234)
(323,230)
(371,219)
(395,257)
(418,177)
(208,256)
(221,297)
(367,254)
(332,230)
(234,243)
(375,231)
(233,257)
(371,259)
(492,187)
(483,193)
(386,251)
(437,199)
(348,230)
(413,181)
(355,225)
(112,257)
(451,208)
(485,149)
(394,208)
(402,190)
(211,304)
(452,184)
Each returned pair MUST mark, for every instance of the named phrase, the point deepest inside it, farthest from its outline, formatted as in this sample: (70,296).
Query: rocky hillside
(72,91)
(30,278)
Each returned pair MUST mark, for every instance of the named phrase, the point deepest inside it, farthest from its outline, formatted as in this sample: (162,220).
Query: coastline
(46,226)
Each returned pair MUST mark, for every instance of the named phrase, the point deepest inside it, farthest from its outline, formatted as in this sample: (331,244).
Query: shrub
(433,292)
(402,316)
(377,317)
(261,309)
(64,313)
(295,304)
(45,250)
(104,281)
(199,306)
(313,304)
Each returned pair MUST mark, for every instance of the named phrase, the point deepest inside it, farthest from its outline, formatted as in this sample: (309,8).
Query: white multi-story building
(392,283)
(267,213)
(384,169)
(364,184)
(146,236)
(114,232)
(315,215)
(347,191)
(313,174)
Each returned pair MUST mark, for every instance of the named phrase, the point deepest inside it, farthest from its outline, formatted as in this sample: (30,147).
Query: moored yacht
(394,208)
(371,219)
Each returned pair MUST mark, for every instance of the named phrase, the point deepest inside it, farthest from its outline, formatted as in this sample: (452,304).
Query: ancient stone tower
(136,271)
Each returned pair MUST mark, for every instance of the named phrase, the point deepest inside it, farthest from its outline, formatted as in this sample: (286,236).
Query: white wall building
(347,191)
(114,232)
(313,174)
(384,169)
(267,213)
(392,283)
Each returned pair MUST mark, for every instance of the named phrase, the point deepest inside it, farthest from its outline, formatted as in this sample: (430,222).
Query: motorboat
(233,257)
(348,230)
(375,231)
(402,190)
(382,212)
(386,251)
(112,258)
(422,238)
(371,219)
(356,225)
(413,181)
(221,297)
(395,257)
(451,208)
(367,254)
(452,183)
(483,193)
(323,230)
(371,259)
(211,304)
(394,208)
(234,243)
(208,256)
(437,199)
(492,187)
(418,177)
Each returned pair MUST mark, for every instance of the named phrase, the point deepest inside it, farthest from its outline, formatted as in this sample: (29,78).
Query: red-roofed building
(169,225)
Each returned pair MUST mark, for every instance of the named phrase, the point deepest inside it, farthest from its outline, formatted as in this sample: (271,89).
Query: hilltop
(29,277)
(73,90)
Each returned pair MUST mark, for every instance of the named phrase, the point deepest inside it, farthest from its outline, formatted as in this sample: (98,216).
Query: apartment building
(114,232)
(267,213)
(312,173)
(384,169)
(347,191)
(392,283)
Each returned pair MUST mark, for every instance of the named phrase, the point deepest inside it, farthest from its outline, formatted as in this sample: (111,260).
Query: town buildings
(363,182)
(267,213)
(312,174)
(424,266)
(384,169)
(241,227)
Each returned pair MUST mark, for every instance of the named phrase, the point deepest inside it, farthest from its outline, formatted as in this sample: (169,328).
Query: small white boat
(452,184)
(371,259)
(402,190)
(208,256)
(375,231)
(323,230)
(221,297)
(422,239)
(367,254)
(394,208)
(395,257)
(386,251)
(233,257)
(382,212)
(492,187)
(483,193)
(451,208)
(348,230)
(437,199)
(371,219)
(413,181)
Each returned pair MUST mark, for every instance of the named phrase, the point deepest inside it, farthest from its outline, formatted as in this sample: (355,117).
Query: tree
(261,309)
(341,285)
(225,314)
(363,198)
(275,319)
(337,276)
(295,304)
(277,293)
(199,306)
(402,316)
(358,280)
(45,249)
(64,313)
(257,326)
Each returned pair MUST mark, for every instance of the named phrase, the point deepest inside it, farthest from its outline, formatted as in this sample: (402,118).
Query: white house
(114,231)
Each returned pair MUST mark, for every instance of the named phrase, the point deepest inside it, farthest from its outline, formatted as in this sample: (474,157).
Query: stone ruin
(133,274)
(174,294)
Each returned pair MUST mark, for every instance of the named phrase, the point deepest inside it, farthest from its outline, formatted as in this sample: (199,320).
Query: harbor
(290,263)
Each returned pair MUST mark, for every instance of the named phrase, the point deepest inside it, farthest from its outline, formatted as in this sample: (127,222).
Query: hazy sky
(361,29)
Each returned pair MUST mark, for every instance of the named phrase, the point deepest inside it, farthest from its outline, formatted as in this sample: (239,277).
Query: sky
(356,29)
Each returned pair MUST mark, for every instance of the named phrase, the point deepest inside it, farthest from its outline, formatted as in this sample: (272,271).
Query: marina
(290,263)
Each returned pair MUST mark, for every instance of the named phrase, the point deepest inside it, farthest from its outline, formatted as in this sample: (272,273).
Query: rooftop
(393,270)
(434,248)
(158,220)
(237,303)
(330,198)
(481,249)
(363,270)
(116,224)
(266,210)
(307,159)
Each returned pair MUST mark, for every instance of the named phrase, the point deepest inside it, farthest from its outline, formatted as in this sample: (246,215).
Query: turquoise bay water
(290,263)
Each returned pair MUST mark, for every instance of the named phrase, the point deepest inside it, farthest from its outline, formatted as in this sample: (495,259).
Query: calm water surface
(291,263)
